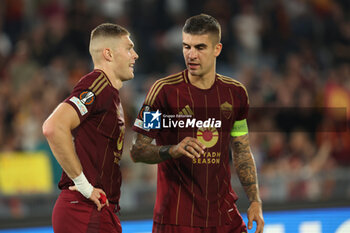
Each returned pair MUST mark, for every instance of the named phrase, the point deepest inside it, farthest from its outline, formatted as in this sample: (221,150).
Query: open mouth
(193,65)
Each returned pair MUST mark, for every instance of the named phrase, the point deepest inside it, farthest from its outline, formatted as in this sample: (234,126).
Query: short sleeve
(240,126)
(152,104)
(86,97)
(244,104)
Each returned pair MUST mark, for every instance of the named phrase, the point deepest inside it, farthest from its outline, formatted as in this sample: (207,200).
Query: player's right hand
(95,195)
(189,147)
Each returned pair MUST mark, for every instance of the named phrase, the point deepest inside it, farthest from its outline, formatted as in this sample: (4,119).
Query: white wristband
(83,185)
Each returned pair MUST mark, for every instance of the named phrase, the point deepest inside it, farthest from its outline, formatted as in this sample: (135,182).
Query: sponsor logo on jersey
(208,136)
(210,158)
(120,141)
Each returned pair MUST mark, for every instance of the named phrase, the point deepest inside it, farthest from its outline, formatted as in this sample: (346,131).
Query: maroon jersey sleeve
(86,96)
(244,103)
(153,102)
(156,100)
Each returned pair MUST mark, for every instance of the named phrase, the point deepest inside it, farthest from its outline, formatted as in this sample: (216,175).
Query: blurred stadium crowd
(290,54)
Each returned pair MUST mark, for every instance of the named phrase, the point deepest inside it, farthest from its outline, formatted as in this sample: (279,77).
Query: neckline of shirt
(99,70)
(187,80)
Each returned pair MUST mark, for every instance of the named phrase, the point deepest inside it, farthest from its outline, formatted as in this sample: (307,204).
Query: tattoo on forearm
(246,173)
(143,151)
(245,167)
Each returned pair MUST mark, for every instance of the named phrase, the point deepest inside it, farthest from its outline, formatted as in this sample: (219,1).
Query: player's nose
(136,56)
(192,54)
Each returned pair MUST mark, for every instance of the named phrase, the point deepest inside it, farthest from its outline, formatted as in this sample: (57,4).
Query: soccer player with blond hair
(86,133)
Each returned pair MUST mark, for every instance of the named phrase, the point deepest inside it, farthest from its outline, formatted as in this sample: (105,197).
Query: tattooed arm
(245,167)
(144,151)
(246,170)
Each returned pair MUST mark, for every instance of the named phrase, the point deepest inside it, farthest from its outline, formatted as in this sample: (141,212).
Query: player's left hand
(255,214)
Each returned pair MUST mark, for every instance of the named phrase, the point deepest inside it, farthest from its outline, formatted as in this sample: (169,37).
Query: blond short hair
(101,35)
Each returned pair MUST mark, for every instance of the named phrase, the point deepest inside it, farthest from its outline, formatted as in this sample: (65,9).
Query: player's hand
(189,147)
(255,214)
(96,197)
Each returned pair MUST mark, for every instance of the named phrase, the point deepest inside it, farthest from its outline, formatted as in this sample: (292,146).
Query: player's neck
(202,81)
(115,81)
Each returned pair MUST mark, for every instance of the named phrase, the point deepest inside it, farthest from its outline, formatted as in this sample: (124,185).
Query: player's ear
(217,50)
(107,54)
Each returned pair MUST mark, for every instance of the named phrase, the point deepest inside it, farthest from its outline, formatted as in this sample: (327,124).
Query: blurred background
(290,54)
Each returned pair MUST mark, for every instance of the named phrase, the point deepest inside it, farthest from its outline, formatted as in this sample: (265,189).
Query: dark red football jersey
(99,138)
(195,192)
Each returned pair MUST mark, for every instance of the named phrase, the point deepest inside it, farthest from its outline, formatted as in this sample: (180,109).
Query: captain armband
(239,128)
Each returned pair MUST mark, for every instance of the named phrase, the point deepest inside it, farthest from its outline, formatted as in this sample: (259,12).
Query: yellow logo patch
(208,136)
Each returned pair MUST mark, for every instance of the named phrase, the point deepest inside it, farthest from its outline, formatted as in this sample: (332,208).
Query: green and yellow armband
(239,128)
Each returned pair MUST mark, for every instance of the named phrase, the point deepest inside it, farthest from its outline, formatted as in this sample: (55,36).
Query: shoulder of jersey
(160,83)
(96,82)
(230,81)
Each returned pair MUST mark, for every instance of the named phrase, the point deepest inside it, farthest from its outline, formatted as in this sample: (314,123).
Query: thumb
(73,188)
(250,223)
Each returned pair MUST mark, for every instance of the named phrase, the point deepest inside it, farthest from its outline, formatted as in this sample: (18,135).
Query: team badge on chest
(226,109)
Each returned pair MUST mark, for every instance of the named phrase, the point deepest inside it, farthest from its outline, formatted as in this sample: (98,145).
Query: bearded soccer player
(86,134)
(203,116)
